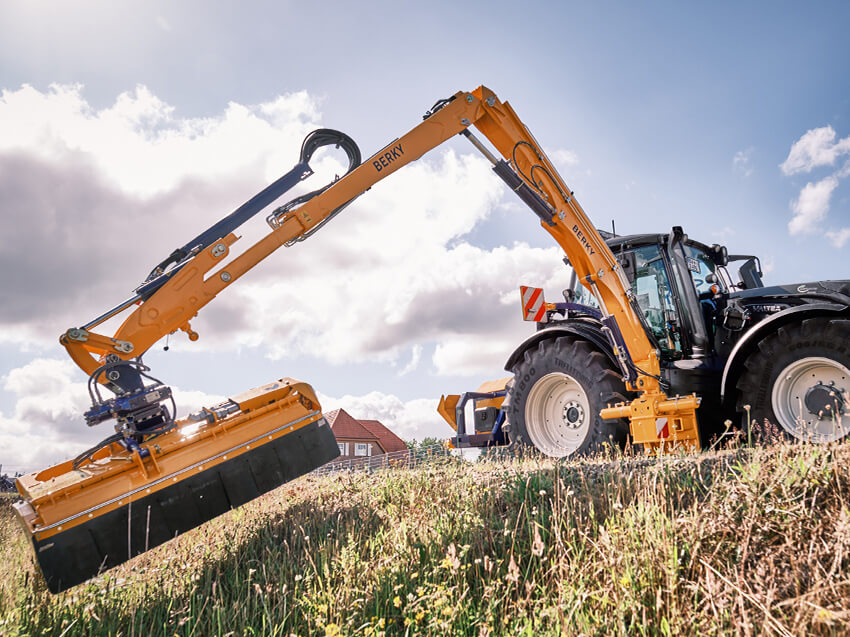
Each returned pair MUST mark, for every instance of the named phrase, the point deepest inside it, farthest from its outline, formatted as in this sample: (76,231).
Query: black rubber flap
(73,556)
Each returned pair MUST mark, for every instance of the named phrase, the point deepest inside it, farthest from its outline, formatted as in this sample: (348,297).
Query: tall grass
(737,542)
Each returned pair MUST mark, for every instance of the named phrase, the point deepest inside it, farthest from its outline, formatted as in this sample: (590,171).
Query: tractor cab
(680,287)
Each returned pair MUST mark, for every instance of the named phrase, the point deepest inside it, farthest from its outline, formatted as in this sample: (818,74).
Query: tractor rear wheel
(799,379)
(556,395)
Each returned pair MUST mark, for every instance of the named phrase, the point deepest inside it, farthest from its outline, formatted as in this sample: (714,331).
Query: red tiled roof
(344,426)
(386,438)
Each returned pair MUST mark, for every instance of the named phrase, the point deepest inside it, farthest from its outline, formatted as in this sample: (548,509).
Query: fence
(406,459)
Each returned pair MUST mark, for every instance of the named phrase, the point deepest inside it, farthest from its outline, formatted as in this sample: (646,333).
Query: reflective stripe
(533,306)
(662,429)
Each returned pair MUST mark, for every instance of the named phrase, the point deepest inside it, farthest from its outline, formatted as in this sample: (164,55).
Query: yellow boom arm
(524,167)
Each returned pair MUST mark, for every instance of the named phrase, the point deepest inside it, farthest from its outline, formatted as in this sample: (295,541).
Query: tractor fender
(587,331)
(748,343)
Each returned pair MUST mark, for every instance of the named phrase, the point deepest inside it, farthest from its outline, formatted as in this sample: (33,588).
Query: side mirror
(751,274)
(569,295)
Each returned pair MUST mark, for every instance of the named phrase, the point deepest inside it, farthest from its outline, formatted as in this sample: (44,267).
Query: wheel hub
(573,414)
(824,400)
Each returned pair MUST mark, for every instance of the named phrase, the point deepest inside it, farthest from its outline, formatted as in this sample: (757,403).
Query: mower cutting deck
(88,515)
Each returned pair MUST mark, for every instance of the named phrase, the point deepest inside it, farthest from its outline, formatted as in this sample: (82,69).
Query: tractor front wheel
(556,395)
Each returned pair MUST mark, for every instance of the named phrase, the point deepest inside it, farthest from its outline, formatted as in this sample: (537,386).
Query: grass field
(735,542)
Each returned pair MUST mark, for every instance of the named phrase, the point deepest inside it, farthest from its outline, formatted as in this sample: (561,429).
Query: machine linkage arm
(189,287)
(195,281)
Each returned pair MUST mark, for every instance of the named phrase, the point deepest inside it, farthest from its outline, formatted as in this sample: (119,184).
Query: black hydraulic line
(530,178)
(88,453)
(313,141)
(437,106)
(515,182)
(524,192)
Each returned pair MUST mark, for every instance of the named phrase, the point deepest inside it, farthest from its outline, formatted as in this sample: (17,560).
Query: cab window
(700,265)
(654,296)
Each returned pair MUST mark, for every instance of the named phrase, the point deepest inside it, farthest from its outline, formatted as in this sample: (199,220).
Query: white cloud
(838,237)
(817,147)
(141,146)
(412,419)
(415,357)
(741,161)
(470,355)
(563,159)
(811,206)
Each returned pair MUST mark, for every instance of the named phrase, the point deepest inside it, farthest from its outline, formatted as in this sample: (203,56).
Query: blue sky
(657,114)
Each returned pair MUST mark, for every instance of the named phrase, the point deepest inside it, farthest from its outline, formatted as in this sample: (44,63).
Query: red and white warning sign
(533,306)
(662,428)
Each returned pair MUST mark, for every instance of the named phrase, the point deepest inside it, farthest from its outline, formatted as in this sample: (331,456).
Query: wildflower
(397,601)
(332,630)
(420,615)
(451,561)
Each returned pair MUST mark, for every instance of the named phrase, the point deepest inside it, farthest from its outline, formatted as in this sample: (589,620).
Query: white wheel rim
(557,415)
(788,399)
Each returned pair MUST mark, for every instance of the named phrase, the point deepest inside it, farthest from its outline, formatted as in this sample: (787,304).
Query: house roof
(386,438)
(345,426)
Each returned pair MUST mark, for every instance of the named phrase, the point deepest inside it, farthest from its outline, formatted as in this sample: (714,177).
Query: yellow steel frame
(64,496)
(173,305)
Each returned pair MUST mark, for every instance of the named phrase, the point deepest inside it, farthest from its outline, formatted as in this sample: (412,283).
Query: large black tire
(556,395)
(798,380)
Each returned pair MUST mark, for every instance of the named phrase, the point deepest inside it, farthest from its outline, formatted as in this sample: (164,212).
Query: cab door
(657,300)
